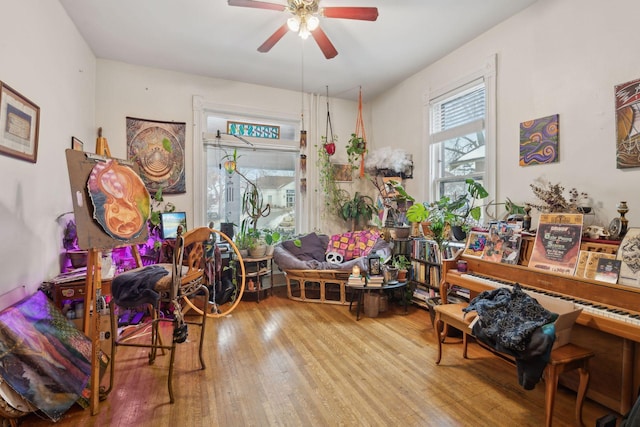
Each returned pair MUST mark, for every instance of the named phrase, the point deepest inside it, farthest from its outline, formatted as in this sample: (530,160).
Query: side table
(360,289)
(256,270)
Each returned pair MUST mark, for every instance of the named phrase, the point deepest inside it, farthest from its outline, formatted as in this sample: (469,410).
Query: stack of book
(375,281)
(355,280)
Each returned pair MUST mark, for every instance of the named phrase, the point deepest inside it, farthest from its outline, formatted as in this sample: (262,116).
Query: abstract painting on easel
(628,125)
(539,140)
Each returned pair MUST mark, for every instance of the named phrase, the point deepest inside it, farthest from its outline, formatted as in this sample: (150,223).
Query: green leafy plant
(401,262)
(271,237)
(449,212)
(355,149)
(357,209)
(333,195)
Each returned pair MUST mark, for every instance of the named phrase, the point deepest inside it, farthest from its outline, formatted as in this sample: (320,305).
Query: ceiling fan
(305,22)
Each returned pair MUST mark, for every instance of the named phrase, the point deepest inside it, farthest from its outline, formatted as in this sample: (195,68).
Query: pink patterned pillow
(353,245)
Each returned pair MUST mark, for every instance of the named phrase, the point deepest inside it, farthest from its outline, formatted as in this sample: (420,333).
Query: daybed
(311,278)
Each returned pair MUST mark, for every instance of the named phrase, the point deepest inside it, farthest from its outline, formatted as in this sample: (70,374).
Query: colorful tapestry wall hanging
(158,149)
(44,358)
(539,141)
(627,130)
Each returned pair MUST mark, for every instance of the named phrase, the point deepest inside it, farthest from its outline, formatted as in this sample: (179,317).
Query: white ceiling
(211,38)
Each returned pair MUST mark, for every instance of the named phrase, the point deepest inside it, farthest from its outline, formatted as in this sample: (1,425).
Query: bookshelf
(426,262)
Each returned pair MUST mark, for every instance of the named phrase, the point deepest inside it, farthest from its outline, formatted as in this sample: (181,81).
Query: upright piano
(609,323)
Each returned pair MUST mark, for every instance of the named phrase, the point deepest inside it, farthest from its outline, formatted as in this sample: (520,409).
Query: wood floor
(287,363)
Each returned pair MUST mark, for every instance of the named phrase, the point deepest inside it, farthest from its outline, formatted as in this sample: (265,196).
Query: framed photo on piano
(629,254)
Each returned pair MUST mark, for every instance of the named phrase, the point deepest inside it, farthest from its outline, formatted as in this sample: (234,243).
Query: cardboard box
(567,315)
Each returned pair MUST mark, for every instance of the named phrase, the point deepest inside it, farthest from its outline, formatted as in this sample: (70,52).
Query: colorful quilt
(43,357)
(354,244)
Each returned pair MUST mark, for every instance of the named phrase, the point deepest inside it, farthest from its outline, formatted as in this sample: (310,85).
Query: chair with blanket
(160,284)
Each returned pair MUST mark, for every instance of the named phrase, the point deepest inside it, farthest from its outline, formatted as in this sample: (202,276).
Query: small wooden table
(359,290)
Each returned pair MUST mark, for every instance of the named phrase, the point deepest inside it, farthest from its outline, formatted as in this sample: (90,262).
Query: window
(458,139)
(461,126)
(272,172)
(271,166)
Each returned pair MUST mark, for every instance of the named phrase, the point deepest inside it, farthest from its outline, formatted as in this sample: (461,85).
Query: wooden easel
(92,238)
(93,292)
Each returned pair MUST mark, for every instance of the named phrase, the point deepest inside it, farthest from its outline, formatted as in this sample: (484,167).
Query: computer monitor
(169,222)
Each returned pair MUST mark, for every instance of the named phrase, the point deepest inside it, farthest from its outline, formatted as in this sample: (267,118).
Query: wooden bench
(563,359)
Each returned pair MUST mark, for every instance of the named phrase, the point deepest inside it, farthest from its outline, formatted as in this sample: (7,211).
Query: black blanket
(136,287)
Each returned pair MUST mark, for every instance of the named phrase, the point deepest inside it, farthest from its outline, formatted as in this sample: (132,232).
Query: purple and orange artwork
(539,141)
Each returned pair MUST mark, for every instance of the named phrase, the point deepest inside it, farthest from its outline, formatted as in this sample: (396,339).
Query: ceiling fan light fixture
(312,23)
(294,23)
(304,32)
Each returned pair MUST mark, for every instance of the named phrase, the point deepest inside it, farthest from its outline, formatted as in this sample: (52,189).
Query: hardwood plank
(287,363)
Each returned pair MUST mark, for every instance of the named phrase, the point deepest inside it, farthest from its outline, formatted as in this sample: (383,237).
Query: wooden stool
(563,359)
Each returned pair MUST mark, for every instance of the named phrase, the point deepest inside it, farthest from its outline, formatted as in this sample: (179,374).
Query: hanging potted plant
(356,148)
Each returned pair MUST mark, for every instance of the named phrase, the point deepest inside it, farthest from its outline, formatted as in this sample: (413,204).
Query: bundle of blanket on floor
(43,357)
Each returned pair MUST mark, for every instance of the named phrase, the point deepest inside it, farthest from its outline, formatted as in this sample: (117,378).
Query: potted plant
(256,244)
(355,149)
(464,208)
(242,238)
(271,238)
(358,209)
(402,264)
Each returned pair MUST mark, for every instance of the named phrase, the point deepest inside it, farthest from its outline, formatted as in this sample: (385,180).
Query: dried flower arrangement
(552,199)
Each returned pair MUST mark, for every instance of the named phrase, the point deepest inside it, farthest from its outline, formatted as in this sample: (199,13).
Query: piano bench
(563,359)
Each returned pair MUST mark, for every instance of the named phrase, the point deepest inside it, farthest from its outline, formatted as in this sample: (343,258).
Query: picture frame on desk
(19,125)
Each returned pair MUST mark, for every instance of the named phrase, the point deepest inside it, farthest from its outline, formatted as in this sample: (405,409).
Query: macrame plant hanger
(329,143)
(361,133)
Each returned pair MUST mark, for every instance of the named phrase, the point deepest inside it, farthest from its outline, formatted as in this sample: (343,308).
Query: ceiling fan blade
(257,4)
(362,13)
(275,38)
(324,43)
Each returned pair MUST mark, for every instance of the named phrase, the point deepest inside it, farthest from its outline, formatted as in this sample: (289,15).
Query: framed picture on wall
(342,172)
(19,125)
(76,144)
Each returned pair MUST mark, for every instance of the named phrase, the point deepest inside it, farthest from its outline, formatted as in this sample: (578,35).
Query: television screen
(169,222)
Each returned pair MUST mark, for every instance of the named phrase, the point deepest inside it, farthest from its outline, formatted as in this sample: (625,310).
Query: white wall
(127,90)
(558,56)
(44,58)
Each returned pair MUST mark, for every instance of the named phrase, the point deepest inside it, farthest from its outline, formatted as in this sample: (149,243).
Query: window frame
(487,74)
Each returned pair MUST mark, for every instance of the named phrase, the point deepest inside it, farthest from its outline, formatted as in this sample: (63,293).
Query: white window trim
(487,72)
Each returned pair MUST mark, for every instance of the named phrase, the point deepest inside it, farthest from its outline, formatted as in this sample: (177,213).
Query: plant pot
(426,229)
(402,232)
(78,258)
(270,249)
(458,233)
(402,275)
(390,274)
(258,251)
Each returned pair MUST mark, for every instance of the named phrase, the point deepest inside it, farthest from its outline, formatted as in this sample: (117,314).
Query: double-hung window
(458,138)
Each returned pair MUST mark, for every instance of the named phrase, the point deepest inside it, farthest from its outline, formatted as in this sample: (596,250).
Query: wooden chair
(185,279)
(562,359)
